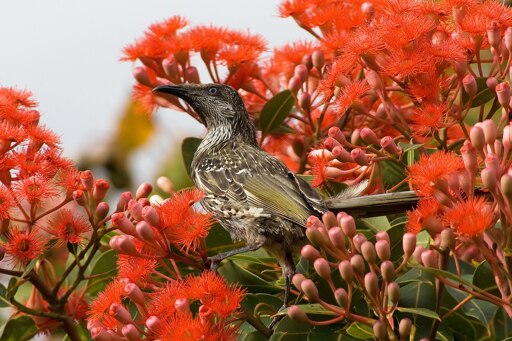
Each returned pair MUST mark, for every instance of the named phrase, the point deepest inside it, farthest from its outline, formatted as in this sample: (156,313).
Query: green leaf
(376,224)
(218,240)
(391,174)
(479,309)
(360,331)
(188,149)
(328,333)
(275,111)
(502,325)
(484,278)
(19,329)
(289,330)
(234,273)
(313,309)
(82,331)
(4,302)
(483,94)
(420,311)
(407,147)
(105,268)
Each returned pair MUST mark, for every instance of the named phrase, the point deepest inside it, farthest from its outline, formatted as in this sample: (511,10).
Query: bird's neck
(221,134)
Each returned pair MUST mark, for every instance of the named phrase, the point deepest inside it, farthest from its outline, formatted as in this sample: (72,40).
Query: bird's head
(216,104)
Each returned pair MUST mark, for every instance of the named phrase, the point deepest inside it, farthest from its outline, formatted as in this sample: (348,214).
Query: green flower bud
(447,239)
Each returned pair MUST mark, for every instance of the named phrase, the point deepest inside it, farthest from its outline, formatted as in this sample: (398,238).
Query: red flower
(163,302)
(319,163)
(136,269)
(35,189)
(18,97)
(67,227)
(99,308)
(426,209)
(183,327)
(6,202)
(429,118)
(471,217)
(23,246)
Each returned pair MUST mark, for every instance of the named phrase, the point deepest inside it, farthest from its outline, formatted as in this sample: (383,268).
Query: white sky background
(67,53)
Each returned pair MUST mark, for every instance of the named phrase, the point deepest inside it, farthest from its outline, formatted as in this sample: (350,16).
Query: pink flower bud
(297,280)
(358,240)
(493,34)
(447,239)
(141,76)
(322,268)
(337,238)
(404,328)
(355,137)
(383,249)
(389,145)
(170,67)
(124,199)
(310,253)
(130,332)
(503,94)
(469,84)
(489,179)
(477,137)
(134,293)
(359,157)
(493,162)
(374,80)
(368,252)
(418,251)
(182,306)
(120,221)
(393,292)
(508,39)
(379,330)
(145,232)
(329,219)
(192,75)
(382,235)
(318,60)
(101,211)
(369,136)
(310,290)
(341,297)
(342,154)
(294,84)
(357,263)
(100,334)
(165,184)
(469,157)
(490,131)
(371,284)
(491,83)
(368,9)
(387,270)
(347,224)
(296,314)
(307,60)
(313,221)
(126,245)
(506,186)
(135,209)
(315,237)
(119,312)
(151,215)
(79,197)
(143,191)
(301,72)
(87,180)
(154,324)
(461,67)
(336,134)
(409,244)
(101,188)
(304,100)
(429,258)
(346,271)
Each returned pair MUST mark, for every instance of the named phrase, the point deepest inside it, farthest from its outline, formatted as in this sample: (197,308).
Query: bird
(252,194)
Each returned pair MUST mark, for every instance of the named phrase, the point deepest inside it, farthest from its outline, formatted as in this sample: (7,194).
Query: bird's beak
(175,90)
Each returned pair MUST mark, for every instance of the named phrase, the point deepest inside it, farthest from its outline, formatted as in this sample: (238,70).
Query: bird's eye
(212,90)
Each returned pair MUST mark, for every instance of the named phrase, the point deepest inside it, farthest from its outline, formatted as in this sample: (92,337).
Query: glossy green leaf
(479,309)
(4,302)
(188,149)
(391,174)
(328,333)
(502,325)
(105,268)
(483,94)
(420,311)
(82,331)
(406,147)
(19,329)
(484,278)
(251,336)
(219,240)
(313,309)
(360,331)
(275,111)
(234,273)
(376,224)
(289,330)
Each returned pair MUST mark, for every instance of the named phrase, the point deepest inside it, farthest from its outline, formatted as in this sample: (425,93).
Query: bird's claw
(277,318)
(213,263)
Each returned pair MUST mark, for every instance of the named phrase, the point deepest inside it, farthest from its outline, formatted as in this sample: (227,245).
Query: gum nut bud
(357,263)
(506,186)
(404,327)
(135,209)
(301,72)
(387,270)
(469,84)
(165,184)
(192,75)
(429,258)
(297,314)
(358,240)
(447,239)
(379,330)
(170,67)
(374,80)
(322,268)
(469,157)
(310,253)
(307,60)
(101,211)
(341,154)
(329,219)
(491,83)
(119,312)
(330,143)
(114,335)
(369,136)
(359,156)
(460,68)
(310,290)
(503,94)
(294,84)
(336,134)
(346,271)
(2,252)
(383,249)
(297,280)
(393,292)
(318,59)
(337,238)
(151,215)
(341,297)
(418,251)
(476,40)
(134,293)
(141,76)
(79,197)
(494,34)
(126,245)
(371,284)
(130,332)
(507,137)
(508,39)
(477,137)
(182,305)
(409,244)
(120,221)
(87,180)
(315,236)
(493,162)
(313,221)
(143,191)
(368,252)
(489,179)
(154,324)
(304,100)
(101,188)
(382,235)
(388,144)
(145,232)
(490,131)
(124,199)
(355,137)
(347,224)
(100,334)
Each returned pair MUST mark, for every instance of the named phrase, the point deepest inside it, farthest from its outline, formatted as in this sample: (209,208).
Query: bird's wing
(248,174)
